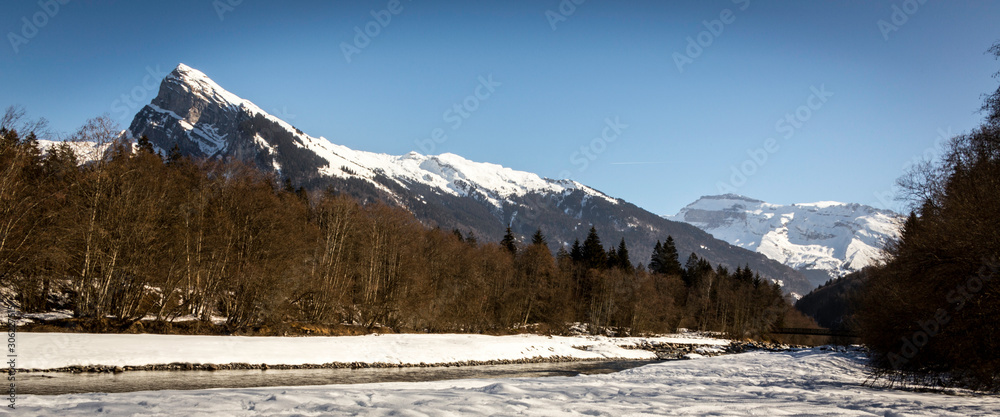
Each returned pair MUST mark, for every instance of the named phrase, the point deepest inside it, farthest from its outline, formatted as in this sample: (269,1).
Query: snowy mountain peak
(823,240)
(196,114)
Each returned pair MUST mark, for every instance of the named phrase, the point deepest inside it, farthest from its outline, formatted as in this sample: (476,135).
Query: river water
(55,383)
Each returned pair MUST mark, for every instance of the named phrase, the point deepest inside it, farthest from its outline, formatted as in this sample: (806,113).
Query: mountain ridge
(202,119)
(824,240)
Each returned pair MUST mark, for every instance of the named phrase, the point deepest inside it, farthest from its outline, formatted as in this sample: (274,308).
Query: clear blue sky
(686,129)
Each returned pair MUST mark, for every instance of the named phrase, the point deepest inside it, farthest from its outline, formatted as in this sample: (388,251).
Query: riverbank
(83,352)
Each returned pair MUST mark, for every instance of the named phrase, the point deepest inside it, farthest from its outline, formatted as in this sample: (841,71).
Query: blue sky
(683,131)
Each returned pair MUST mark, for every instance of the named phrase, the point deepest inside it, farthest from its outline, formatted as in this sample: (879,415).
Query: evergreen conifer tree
(611,261)
(623,261)
(655,261)
(692,268)
(670,259)
(538,238)
(576,252)
(509,243)
(145,145)
(593,253)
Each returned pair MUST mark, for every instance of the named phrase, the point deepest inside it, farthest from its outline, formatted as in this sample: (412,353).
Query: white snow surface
(84,150)
(802,383)
(838,238)
(446,173)
(57,350)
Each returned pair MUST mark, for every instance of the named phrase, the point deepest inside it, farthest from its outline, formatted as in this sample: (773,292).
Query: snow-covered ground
(810,382)
(57,350)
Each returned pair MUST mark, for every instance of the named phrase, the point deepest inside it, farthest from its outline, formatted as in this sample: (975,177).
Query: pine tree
(656,260)
(145,145)
(692,269)
(593,252)
(611,261)
(458,234)
(576,252)
(623,261)
(909,228)
(509,243)
(671,261)
(538,238)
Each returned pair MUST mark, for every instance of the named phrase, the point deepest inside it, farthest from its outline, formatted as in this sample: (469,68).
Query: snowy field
(810,382)
(57,350)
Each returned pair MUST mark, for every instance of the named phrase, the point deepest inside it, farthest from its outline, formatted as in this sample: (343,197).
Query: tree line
(931,312)
(130,234)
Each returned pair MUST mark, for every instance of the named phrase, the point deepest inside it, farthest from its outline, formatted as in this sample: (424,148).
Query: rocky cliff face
(190,112)
(202,119)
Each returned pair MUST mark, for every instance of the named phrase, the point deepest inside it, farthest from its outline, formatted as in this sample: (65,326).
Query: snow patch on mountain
(833,237)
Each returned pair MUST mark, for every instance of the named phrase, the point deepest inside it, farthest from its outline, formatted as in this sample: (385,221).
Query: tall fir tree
(671,260)
(611,260)
(623,260)
(691,270)
(593,252)
(538,238)
(509,243)
(656,260)
(576,252)
(145,145)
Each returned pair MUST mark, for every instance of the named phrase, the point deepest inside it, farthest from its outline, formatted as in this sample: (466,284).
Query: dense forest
(834,303)
(133,235)
(931,313)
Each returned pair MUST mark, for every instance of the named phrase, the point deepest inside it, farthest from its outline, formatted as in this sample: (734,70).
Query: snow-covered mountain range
(201,119)
(823,240)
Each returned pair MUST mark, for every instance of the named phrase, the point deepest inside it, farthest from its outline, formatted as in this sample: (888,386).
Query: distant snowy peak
(200,117)
(832,237)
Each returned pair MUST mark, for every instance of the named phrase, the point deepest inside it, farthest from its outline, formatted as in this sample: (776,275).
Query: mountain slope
(201,119)
(832,304)
(823,240)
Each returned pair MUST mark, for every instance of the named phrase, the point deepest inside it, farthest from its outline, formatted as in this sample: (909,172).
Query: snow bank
(57,350)
(812,382)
